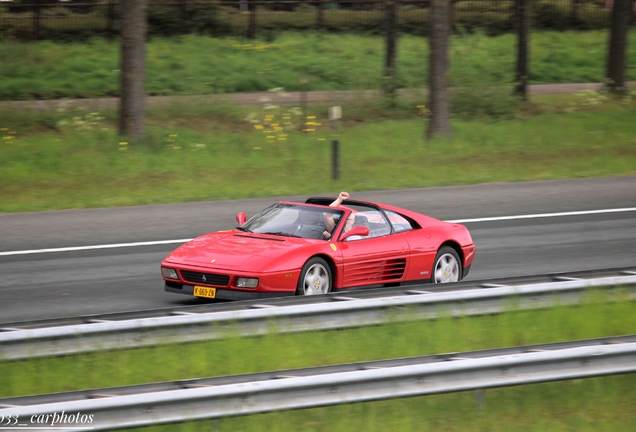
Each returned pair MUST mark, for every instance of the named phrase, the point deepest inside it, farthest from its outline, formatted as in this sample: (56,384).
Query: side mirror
(241,218)
(355,231)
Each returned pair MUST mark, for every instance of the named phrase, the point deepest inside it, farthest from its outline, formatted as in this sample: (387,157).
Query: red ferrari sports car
(288,249)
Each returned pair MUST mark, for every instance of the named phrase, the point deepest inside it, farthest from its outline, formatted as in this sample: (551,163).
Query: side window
(378,225)
(399,222)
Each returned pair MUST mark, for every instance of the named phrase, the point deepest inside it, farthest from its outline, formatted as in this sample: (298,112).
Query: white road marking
(544,215)
(461,221)
(82,248)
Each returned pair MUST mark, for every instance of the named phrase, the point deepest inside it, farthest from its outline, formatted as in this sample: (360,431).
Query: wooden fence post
(513,15)
(110,14)
(36,19)
(319,15)
(251,27)
(183,16)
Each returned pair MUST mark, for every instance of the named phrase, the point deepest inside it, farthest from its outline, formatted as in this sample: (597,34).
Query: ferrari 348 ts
(288,249)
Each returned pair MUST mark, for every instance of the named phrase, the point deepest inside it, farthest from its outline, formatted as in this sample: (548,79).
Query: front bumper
(468,253)
(225,294)
(466,271)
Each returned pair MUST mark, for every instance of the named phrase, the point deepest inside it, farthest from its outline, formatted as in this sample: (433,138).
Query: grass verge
(74,159)
(195,65)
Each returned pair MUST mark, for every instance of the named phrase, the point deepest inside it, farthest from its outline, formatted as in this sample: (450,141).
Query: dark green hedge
(490,17)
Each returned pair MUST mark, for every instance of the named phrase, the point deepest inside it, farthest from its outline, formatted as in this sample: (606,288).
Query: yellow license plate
(200,291)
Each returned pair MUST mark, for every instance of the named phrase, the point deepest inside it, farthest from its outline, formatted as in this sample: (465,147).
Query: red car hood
(231,249)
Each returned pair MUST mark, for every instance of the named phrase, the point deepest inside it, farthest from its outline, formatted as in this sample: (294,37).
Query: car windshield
(290,220)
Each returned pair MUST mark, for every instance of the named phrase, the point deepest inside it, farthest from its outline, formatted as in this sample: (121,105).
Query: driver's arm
(329,222)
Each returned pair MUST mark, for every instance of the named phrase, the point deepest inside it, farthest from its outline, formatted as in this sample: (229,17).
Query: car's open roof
(326,201)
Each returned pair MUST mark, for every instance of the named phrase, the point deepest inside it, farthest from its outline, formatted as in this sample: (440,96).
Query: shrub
(167,19)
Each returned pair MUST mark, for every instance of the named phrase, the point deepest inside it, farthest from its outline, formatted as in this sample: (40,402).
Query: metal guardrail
(162,403)
(340,312)
(206,305)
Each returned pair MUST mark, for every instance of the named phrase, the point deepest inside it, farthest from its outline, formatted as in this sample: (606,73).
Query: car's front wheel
(447,267)
(315,278)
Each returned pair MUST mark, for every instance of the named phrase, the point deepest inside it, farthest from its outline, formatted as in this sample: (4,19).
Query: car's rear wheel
(315,278)
(447,267)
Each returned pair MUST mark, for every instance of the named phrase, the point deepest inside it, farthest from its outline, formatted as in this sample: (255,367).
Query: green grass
(203,65)
(53,160)
(586,404)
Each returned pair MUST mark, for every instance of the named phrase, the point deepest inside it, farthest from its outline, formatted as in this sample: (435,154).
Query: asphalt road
(42,285)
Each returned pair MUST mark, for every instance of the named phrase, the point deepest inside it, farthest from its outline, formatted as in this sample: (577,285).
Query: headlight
(246,282)
(169,273)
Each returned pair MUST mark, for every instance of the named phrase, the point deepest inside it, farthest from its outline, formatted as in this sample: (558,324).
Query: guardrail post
(481,398)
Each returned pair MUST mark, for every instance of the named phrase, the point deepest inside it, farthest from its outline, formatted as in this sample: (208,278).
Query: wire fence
(64,20)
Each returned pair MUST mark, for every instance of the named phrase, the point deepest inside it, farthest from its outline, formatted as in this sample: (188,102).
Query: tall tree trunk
(133,50)
(618,46)
(521,78)
(439,104)
(389,84)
